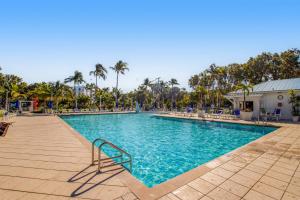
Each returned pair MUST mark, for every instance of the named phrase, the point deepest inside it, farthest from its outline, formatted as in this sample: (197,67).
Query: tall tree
(60,92)
(77,79)
(119,68)
(173,82)
(245,88)
(99,72)
(201,91)
(290,63)
(146,83)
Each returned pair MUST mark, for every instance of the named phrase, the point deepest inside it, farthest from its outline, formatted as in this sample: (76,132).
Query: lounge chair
(276,114)
(4,128)
(263,114)
(236,114)
(217,115)
(202,114)
(226,114)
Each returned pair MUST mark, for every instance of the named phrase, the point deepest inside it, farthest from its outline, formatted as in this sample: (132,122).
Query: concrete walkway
(40,158)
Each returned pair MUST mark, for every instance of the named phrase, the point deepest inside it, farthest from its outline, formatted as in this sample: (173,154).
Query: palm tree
(201,91)
(173,82)
(163,86)
(246,90)
(58,92)
(77,79)
(119,68)
(100,71)
(43,91)
(9,82)
(146,83)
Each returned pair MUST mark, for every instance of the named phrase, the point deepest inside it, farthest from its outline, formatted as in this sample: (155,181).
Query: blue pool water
(163,148)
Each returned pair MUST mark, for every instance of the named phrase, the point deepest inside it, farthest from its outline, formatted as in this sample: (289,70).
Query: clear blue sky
(49,40)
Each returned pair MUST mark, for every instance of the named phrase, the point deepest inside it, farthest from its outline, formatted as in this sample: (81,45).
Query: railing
(122,153)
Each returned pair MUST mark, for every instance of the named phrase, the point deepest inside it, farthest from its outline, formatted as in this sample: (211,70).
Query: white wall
(269,101)
(255,100)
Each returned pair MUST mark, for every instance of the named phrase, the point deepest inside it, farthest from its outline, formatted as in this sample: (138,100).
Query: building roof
(277,85)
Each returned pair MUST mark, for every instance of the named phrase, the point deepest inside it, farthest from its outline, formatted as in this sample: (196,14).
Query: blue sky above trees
(48,41)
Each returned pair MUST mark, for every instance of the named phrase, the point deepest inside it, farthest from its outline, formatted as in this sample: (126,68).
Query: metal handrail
(104,142)
(93,148)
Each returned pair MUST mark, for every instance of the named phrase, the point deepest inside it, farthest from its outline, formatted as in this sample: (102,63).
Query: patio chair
(236,114)
(202,114)
(227,114)
(263,114)
(217,114)
(276,114)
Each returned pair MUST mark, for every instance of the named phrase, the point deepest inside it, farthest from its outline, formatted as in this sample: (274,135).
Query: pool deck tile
(202,185)
(253,195)
(289,196)
(274,182)
(187,193)
(43,158)
(169,197)
(221,194)
(213,178)
(222,172)
(234,188)
(40,158)
(268,190)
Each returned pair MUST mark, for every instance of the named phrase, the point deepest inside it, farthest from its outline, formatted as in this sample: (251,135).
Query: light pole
(100,103)
(51,102)
(6,102)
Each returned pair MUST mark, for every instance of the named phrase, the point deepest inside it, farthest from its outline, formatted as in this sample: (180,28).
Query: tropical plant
(146,83)
(201,92)
(99,72)
(208,86)
(60,93)
(295,102)
(245,88)
(10,85)
(119,68)
(77,79)
(173,82)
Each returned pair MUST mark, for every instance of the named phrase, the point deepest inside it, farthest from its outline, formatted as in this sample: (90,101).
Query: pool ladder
(100,161)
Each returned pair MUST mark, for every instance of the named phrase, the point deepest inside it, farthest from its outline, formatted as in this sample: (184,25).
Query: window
(248,105)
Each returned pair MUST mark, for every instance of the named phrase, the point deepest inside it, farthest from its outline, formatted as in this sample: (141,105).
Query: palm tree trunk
(217,95)
(117,103)
(244,101)
(204,100)
(172,107)
(76,103)
(6,102)
(201,101)
(75,96)
(96,81)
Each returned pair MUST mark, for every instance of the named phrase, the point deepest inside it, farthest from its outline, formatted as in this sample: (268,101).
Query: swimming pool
(163,148)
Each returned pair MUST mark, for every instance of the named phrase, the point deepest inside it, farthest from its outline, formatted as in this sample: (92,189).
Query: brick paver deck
(41,158)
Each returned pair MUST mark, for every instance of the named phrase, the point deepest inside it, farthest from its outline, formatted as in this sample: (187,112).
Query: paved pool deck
(43,158)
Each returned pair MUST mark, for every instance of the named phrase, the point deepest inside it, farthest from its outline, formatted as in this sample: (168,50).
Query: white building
(79,89)
(269,95)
